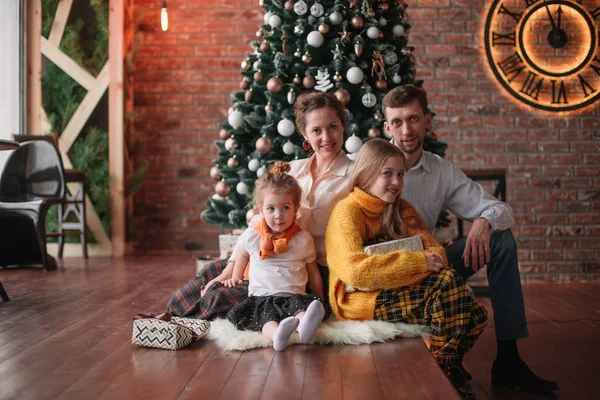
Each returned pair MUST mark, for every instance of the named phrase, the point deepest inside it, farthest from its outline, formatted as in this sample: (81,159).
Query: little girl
(409,287)
(283,260)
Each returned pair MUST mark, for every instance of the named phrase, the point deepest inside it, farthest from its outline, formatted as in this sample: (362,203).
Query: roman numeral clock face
(546,52)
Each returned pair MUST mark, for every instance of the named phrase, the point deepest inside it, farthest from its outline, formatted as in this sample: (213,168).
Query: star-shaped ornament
(345,35)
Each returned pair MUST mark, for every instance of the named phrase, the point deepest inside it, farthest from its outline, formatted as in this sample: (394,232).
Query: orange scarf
(271,244)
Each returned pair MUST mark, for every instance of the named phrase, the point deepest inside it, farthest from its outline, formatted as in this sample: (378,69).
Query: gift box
(226,244)
(165,331)
(413,243)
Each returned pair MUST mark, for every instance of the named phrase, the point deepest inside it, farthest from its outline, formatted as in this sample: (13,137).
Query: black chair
(71,212)
(32,181)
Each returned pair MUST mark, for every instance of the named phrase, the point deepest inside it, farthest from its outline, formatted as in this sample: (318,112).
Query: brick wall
(184,78)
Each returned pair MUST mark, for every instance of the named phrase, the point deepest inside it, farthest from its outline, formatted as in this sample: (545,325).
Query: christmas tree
(357,49)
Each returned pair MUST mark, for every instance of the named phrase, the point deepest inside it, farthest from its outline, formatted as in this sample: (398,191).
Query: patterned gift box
(167,332)
(226,245)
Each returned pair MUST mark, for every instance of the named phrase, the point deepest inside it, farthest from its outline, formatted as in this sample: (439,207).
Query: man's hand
(477,250)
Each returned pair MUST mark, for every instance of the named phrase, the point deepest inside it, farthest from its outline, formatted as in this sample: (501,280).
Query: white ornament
(355,75)
(289,147)
(369,100)
(286,127)
(390,58)
(353,144)
(300,7)
(242,188)
(266,17)
(256,65)
(274,20)
(217,197)
(397,79)
(236,119)
(317,10)
(230,144)
(261,171)
(398,30)
(323,82)
(253,165)
(315,39)
(387,134)
(335,18)
(373,32)
(382,21)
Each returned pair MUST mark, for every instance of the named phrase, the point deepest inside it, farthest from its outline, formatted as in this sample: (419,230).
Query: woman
(324,178)
(400,286)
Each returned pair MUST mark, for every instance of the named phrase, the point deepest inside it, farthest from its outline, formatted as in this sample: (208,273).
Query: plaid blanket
(187,302)
(442,302)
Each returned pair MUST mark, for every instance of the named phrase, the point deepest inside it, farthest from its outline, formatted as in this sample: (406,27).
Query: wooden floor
(66,334)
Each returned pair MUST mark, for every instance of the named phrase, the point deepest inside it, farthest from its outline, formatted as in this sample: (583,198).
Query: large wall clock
(546,52)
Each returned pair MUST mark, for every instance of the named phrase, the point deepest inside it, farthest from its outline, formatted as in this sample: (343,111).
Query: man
(432,184)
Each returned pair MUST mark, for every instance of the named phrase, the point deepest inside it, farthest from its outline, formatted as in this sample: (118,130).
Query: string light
(164,17)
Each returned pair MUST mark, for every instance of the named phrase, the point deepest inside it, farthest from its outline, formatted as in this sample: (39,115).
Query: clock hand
(550,16)
(558,17)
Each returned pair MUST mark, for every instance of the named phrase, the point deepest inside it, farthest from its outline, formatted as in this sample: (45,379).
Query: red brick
(544,183)
(575,134)
(576,182)
(561,194)
(574,207)
(574,278)
(557,171)
(542,278)
(545,255)
(530,122)
(542,134)
(551,219)
(584,218)
(518,147)
(579,255)
(562,267)
(543,207)
(526,170)
(588,170)
(589,147)
(528,267)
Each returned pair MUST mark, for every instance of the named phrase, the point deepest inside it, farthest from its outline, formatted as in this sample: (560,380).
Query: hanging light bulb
(164,17)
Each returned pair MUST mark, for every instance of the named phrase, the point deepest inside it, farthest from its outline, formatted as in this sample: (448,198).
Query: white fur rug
(228,337)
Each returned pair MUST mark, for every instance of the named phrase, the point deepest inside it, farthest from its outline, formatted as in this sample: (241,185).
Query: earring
(306,145)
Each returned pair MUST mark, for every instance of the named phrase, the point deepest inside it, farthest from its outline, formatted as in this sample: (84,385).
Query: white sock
(284,331)
(311,321)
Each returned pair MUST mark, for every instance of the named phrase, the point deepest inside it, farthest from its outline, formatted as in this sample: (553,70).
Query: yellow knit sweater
(354,220)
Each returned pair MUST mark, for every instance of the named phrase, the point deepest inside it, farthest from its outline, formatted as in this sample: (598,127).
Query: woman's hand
(223,276)
(232,282)
(434,263)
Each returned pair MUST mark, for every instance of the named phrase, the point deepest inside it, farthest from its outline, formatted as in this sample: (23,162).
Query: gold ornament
(264,145)
(265,46)
(343,96)
(337,77)
(259,76)
(248,96)
(214,173)
(358,48)
(246,64)
(291,96)
(274,85)
(345,35)
(260,33)
(324,29)
(289,5)
(307,58)
(223,134)
(232,162)
(223,189)
(244,84)
(381,84)
(309,81)
(284,47)
(374,133)
(353,3)
(297,80)
(261,3)
(269,107)
(357,22)
(297,54)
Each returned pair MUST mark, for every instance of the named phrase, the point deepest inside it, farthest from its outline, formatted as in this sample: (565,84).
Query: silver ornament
(299,30)
(291,96)
(300,7)
(317,10)
(390,58)
(397,79)
(369,100)
(335,18)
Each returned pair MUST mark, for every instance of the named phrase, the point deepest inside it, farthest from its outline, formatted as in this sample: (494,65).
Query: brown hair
(402,95)
(368,165)
(314,101)
(277,179)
